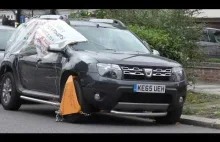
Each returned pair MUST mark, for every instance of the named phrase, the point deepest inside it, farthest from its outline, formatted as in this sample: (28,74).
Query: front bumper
(118,95)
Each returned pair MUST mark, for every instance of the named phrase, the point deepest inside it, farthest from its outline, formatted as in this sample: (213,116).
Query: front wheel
(171,118)
(85,107)
(10,99)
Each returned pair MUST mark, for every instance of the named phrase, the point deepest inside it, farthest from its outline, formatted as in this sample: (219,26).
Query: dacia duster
(116,73)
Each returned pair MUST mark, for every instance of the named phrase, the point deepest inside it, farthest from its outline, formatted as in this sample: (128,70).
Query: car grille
(138,73)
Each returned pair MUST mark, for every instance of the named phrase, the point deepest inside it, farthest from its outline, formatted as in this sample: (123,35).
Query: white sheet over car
(39,34)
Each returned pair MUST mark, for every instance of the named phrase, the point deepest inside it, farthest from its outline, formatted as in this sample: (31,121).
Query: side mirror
(155,52)
(54,49)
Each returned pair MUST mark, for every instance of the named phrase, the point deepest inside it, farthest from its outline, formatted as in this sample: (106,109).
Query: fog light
(97,96)
(181,99)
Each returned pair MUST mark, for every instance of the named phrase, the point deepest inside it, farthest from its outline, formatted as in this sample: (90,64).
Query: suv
(116,73)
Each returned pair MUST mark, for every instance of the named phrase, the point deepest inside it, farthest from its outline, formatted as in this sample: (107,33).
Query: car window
(110,39)
(212,36)
(217,36)
(4,37)
(205,36)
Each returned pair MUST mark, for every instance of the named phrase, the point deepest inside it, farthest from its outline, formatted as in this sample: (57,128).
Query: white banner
(40,34)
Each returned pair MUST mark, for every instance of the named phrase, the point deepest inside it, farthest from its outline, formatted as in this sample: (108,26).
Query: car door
(47,73)
(26,67)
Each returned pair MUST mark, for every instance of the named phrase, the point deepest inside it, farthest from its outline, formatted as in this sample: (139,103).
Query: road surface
(39,118)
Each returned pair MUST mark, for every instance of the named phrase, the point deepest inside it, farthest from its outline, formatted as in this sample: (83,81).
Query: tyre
(10,99)
(1,85)
(171,118)
(85,107)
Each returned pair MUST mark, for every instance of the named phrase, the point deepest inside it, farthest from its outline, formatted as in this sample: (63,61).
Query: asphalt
(39,118)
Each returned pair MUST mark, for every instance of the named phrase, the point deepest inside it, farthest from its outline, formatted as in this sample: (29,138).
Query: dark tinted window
(217,36)
(211,35)
(205,36)
(4,37)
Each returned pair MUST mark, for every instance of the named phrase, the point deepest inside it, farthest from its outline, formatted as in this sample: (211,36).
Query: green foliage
(72,15)
(188,111)
(157,39)
(100,13)
(204,105)
(214,60)
(173,33)
(80,14)
(198,98)
(83,13)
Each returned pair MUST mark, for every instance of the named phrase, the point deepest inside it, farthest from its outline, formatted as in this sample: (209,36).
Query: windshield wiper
(110,49)
(96,43)
(138,52)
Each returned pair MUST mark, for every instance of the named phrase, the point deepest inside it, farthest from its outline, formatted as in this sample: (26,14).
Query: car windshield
(100,38)
(4,37)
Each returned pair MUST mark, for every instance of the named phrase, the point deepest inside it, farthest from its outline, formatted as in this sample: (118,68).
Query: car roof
(2,27)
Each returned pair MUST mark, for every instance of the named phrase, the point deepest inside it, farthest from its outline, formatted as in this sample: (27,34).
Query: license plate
(149,88)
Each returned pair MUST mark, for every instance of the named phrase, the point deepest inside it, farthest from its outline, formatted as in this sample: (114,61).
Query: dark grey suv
(116,73)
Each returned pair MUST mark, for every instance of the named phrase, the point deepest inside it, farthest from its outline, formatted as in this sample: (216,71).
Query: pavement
(206,87)
(200,121)
(38,118)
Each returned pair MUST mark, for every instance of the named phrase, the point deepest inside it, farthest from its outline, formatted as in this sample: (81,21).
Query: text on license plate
(149,88)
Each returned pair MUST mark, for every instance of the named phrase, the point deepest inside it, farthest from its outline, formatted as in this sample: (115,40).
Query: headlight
(178,74)
(109,70)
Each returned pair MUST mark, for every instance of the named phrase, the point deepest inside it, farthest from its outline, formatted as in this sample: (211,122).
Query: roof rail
(52,17)
(55,17)
(109,21)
